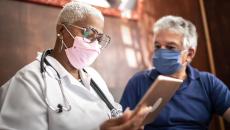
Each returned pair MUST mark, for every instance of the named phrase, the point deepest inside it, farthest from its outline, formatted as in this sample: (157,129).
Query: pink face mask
(82,54)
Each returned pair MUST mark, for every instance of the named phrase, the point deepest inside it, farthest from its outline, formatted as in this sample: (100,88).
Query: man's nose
(162,47)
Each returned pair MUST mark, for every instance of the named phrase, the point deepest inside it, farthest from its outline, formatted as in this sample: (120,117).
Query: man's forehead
(170,37)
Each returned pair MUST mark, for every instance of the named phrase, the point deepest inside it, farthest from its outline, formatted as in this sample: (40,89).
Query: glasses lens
(89,35)
(103,40)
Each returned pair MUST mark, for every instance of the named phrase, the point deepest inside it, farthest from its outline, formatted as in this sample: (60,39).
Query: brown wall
(31,28)
(189,9)
(218,17)
(26,28)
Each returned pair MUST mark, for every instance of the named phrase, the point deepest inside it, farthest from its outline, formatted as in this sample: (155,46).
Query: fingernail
(147,110)
(127,109)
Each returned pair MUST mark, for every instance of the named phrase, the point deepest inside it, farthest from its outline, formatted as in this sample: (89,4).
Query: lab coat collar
(85,77)
(57,66)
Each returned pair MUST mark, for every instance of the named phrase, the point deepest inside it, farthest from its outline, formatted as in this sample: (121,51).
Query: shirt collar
(192,72)
(153,73)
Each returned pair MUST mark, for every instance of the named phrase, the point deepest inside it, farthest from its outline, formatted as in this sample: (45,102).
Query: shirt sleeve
(220,95)
(21,105)
(129,97)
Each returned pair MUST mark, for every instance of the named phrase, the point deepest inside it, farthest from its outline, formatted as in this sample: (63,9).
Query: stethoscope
(66,105)
(60,107)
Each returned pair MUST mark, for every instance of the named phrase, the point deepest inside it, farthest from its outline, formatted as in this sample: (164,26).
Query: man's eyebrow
(172,43)
(156,41)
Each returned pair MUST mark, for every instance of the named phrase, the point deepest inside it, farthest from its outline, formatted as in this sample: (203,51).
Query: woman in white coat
(58,91)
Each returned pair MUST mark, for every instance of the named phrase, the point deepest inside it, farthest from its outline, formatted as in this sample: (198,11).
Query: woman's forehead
(92,21)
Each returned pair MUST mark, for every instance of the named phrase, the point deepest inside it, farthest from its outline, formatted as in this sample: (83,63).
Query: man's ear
(191,54)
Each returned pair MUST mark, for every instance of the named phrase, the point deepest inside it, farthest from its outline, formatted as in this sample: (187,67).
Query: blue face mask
(167,61)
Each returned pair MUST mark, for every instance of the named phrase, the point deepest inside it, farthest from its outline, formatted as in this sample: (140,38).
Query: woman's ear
(59,29)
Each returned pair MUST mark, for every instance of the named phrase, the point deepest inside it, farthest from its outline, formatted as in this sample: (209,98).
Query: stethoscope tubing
(60,108)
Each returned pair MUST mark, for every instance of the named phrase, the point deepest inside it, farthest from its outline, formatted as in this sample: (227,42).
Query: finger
(120,120)
(141,128)
(126,126)
(135,122)
(111,123)
(138,119)
(141,114)
(127,114)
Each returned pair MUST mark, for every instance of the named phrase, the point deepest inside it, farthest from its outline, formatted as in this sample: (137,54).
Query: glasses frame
(97,37)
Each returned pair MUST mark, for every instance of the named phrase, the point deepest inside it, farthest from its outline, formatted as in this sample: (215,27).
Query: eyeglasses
(90,34)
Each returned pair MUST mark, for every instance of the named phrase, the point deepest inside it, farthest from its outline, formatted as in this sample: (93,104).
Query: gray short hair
(75,11)
(178,25)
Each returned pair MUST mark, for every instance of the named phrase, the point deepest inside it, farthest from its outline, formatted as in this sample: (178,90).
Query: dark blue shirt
(192,106)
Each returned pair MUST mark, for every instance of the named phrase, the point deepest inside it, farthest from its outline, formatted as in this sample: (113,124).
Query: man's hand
(127,121)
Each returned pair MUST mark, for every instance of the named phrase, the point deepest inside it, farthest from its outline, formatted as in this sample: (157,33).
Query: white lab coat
(22,105)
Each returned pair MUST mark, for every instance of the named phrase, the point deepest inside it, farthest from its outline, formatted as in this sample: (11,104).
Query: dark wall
(26,28)
(219,26)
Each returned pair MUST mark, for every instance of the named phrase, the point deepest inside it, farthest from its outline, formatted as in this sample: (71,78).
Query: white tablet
(157,96)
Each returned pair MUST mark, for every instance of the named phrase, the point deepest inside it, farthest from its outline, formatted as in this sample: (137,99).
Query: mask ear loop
(63,43)
(68,31)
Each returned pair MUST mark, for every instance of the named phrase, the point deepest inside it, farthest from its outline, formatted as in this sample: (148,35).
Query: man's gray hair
(75,11)
(178,25)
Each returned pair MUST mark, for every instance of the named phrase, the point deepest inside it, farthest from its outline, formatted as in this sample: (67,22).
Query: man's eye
(171,47)
(157,46)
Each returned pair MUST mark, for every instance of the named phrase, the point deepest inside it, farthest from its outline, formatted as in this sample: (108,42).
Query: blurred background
(28,27)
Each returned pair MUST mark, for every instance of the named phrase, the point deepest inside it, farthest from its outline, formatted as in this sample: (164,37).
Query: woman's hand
(128,121)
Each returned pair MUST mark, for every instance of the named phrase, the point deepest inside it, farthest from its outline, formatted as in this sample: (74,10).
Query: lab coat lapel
(85,79)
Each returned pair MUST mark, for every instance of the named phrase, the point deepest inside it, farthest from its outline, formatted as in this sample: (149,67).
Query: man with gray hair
(58,90)
(201,93)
